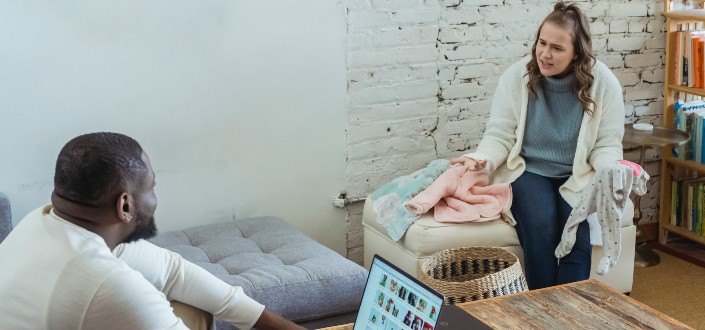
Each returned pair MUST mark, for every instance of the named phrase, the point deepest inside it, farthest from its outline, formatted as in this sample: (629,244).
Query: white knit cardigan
(599,139)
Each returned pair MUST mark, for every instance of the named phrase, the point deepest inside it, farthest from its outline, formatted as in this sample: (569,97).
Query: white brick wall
(421,74)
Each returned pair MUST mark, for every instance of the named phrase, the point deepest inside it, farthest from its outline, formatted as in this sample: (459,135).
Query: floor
(672,287)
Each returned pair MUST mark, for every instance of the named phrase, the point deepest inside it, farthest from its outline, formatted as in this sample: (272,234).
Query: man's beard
(146,228)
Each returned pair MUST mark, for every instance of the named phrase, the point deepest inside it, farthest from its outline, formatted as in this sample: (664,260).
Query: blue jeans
(541,214)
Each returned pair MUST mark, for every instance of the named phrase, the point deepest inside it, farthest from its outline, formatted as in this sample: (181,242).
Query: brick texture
(421,74)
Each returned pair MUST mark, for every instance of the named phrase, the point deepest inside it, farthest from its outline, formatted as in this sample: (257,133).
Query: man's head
(108,171)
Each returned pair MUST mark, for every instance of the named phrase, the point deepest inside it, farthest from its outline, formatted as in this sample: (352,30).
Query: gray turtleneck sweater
(552,125)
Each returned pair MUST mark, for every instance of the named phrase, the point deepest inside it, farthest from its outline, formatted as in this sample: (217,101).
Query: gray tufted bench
(276,265)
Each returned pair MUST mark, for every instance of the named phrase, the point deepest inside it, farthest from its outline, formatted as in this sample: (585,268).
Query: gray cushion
(275,264)
(5,217)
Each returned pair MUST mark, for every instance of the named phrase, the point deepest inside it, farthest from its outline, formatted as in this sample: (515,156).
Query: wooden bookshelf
(693,165)
(669,164)
(688,90)
(686,15)
(680,231)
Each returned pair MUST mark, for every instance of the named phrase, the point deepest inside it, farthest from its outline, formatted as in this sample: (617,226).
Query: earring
(128,216)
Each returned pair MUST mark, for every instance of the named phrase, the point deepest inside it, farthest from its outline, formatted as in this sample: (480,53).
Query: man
(82,263)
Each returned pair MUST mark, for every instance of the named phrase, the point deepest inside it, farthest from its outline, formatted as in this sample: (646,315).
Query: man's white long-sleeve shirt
(57,275)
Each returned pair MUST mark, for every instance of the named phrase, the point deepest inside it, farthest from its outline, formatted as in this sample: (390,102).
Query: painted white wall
(240,104)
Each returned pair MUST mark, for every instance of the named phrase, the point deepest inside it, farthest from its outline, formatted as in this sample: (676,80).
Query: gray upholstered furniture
(275,264)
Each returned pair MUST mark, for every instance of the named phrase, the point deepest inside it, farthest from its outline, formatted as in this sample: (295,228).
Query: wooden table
(581,305)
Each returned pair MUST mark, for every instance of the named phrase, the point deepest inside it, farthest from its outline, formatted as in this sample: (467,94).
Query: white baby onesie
(607,194)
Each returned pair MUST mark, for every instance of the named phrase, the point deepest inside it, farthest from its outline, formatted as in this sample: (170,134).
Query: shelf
(672,168)
(691,164)
(687,15)
(688,90)
(684,232)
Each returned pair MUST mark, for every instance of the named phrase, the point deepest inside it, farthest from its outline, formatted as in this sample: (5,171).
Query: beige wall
(240,104)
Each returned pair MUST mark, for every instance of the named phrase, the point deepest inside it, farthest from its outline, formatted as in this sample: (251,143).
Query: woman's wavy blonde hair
(572,19)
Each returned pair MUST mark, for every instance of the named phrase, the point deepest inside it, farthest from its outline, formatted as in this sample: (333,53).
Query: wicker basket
(473,273)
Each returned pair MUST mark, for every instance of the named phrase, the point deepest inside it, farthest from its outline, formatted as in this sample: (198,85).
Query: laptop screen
(394,300)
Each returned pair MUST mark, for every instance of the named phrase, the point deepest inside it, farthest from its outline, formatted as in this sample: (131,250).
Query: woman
(417,324)
(556,117)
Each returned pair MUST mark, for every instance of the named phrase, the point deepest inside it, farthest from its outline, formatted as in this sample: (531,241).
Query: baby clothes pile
(454,193)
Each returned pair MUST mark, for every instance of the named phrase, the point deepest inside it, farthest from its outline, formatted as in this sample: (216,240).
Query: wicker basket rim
(490,280)
(483,252)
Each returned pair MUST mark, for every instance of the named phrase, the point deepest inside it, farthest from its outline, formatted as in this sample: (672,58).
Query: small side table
(658,137)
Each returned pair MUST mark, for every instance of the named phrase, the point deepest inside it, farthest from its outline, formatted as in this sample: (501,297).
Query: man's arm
(183,281)
(126,301)
(270,320)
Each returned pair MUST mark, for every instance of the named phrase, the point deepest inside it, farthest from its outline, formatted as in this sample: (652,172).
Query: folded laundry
(460,195)
(388,200)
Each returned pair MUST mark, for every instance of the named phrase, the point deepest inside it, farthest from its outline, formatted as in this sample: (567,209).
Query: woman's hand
(470,164)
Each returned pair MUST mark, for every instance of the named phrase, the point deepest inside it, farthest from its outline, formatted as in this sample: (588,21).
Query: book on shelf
(697,213)
(687,204)
(687,57)
(698,137)
(685,51)
(689,117)
(688,213)
(694,125)
(693,204)
(695,78)
(691,59)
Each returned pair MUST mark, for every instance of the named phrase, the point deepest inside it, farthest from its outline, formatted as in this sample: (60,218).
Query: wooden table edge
(573,284)
(349,326)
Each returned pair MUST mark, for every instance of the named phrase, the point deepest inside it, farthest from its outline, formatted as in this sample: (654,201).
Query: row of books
(689,117)
(687,204)
(687,52)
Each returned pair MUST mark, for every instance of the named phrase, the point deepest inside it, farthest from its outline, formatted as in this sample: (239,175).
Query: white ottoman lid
(426,236)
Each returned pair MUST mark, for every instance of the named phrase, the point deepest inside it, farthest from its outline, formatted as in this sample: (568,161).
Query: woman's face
(554,50)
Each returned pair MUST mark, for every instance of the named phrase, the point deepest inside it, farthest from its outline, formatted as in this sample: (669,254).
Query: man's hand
(470,164)
(270,320)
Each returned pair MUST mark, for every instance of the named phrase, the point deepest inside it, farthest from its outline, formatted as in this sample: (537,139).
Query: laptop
(395,300)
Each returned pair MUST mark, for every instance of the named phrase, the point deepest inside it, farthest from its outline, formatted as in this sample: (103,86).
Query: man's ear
(124,208)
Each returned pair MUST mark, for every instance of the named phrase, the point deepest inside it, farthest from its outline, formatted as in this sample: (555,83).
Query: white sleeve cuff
(243,312)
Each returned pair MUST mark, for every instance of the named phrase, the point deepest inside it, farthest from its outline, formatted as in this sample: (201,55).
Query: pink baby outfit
(459,195)
(634,166)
